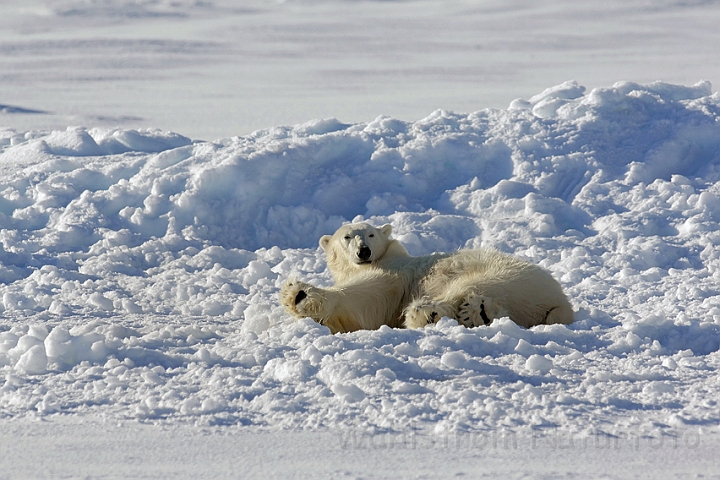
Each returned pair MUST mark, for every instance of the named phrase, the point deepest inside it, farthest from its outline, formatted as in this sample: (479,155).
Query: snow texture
(139,270)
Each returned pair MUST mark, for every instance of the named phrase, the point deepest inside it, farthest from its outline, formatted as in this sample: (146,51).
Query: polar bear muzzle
(364,253)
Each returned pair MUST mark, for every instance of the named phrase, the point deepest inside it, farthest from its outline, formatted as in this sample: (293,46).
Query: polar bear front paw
(478,310)
(423,312)
(302,299)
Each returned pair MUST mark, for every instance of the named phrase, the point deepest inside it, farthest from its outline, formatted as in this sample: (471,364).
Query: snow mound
(139,270)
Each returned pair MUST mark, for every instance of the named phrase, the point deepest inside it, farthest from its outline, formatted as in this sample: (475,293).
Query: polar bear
(378,283)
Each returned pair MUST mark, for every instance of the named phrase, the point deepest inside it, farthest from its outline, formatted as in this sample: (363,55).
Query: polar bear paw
(423,311)
(476,310)
(302,299)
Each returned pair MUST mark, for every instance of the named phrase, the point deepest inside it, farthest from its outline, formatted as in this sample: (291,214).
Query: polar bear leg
(371,300)
(476,310)
(424,311)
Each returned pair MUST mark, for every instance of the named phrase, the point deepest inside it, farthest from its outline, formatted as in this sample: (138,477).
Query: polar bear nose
(364,253)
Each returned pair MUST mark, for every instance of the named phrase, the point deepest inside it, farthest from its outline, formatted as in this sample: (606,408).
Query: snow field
(140,269)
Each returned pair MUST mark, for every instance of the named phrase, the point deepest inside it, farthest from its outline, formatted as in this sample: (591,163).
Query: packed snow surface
(218,68)
(140,269)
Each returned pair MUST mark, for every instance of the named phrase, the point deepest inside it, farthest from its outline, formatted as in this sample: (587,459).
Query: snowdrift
(139,269)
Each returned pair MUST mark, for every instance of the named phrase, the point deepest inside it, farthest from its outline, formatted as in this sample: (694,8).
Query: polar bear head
(354,246)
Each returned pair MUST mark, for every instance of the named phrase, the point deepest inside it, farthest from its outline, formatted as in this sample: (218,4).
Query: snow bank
(139,270)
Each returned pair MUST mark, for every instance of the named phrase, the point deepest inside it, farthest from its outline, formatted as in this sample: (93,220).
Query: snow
(141,271)
(140,330)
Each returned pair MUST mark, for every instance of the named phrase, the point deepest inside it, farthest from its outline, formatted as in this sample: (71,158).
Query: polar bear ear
(386,230)
(324,242)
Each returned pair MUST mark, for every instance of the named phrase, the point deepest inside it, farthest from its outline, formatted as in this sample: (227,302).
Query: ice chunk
(33,362)
(538,363)
(348,392)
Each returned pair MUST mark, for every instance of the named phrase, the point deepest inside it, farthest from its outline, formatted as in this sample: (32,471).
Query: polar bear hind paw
(423,312)
(477,310)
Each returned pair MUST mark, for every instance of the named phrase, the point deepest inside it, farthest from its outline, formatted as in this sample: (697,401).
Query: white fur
(378,283)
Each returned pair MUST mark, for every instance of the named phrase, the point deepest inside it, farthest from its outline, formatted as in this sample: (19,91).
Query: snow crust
(139,269)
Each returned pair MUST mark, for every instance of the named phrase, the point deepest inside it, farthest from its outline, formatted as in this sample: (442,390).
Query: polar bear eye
(371,235)
(347,237)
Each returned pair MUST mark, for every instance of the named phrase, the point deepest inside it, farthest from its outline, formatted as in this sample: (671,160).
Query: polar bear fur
(378,283)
